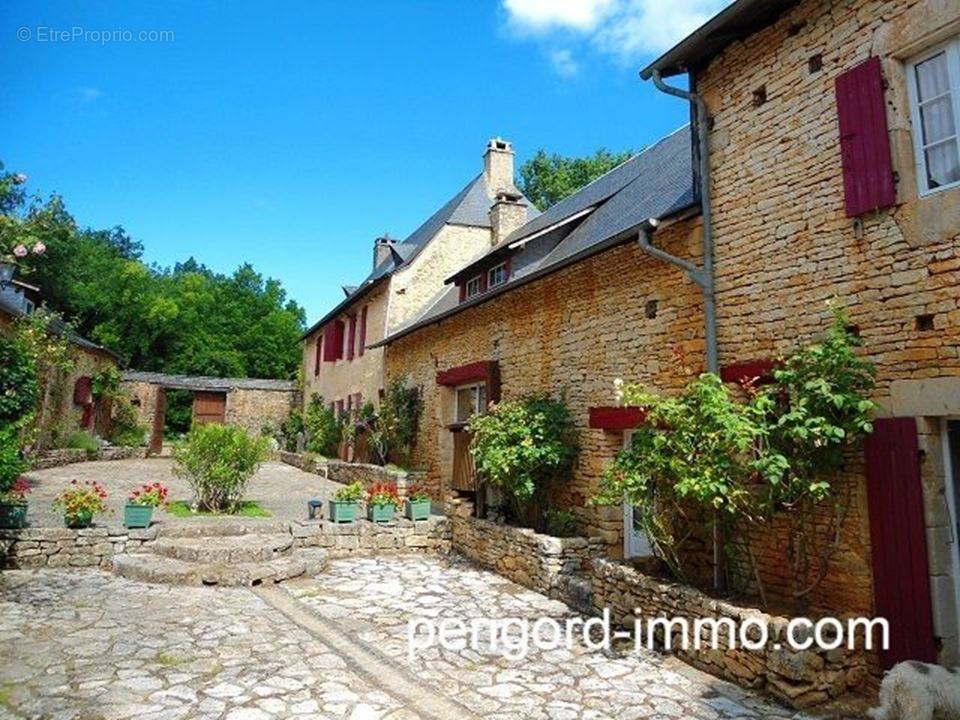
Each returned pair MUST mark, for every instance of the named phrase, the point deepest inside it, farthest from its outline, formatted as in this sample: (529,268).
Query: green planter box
(137,516)
(419,510)
(78,521)
(13,515)
(381,513)
(343,511)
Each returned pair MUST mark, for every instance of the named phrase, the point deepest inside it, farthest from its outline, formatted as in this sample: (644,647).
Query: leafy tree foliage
(548,178)
(323,427)
(186,319)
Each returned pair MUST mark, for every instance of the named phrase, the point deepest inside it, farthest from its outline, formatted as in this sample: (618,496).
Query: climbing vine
(747,459)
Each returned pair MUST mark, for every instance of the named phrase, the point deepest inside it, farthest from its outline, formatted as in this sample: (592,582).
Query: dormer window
(497,275)
(474,287)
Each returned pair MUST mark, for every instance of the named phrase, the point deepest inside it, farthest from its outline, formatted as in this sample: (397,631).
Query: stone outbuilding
(248,403)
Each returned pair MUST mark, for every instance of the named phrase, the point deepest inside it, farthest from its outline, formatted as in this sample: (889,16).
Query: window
(318,356)
(934,86)
(473,287)
(471,399)
(497,275)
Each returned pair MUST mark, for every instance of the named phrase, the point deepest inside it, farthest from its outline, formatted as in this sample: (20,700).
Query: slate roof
(13,309)
(655,183)
(470,206)
(204,383)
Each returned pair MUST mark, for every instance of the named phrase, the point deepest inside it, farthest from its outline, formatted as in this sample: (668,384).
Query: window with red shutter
(318,355)
(351,337)
(363,331)
(864,139)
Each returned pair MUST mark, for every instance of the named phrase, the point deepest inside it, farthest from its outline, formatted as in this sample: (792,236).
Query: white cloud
(624,28)
(563,63)
(542,15)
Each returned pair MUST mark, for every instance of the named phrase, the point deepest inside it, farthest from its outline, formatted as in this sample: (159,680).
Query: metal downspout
(702,276)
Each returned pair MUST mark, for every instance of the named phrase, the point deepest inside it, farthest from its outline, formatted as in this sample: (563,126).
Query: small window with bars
(934,88)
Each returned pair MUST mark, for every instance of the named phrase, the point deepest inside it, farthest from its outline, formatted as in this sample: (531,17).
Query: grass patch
(170,660)
(5,692)
(248,508)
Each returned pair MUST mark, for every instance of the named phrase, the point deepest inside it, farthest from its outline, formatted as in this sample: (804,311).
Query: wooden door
(901,576)
(209,407)
(464,471)
(159,422)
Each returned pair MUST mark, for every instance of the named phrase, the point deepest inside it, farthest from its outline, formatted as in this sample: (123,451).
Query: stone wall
(68,456)
(572,334)
(252,409)
(63,547)
(798,678)
(346,472)
(364,537)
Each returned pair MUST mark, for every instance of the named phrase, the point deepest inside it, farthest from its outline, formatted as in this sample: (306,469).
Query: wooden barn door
(901,578)
(159,421)
(209,407)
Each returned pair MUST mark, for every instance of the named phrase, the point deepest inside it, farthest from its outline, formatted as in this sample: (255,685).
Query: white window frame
(491,271)
(952,48)
(475,282)
(475,386)
(634,544)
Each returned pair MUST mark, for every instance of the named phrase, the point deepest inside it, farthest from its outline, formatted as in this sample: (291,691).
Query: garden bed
(346,472)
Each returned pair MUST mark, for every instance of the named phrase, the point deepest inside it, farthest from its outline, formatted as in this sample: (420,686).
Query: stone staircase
(222,552)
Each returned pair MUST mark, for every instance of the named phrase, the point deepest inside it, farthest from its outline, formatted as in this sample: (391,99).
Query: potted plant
(382,501)
(417,503)
(80,502)
(343,506)
(13,505)
(138,512)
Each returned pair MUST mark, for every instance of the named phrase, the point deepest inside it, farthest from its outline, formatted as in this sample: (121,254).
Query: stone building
(248,403)
(338,362)
(820,183)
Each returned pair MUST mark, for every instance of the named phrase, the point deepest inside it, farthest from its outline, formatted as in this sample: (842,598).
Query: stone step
(222,527)
(147,567)
(222,550)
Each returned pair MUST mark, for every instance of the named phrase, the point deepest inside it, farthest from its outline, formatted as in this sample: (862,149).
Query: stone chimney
(506,214)
(498,165)
(381,249)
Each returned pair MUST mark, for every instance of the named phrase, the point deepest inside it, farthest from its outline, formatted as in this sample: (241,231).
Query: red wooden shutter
(339,410)
(339,329)
(318,356)
(898,543)
(352,337)
(83,391)
(363,331)
(330,342)
(864,139)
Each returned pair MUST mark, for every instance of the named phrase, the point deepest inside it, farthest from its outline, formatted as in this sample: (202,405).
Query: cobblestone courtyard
(85,644)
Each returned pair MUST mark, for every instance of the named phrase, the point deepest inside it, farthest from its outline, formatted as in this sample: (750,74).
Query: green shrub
(394,428)
(324,429)
(218,461)
(350,493)
(125,428)
(19,383)
(562,523)
(82,440)
(523,447)
(12,464)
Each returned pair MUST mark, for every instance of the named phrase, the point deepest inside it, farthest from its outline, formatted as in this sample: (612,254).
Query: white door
(635,542)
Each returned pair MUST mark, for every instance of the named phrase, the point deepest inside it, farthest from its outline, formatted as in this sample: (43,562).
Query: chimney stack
(498,165)
(506,214)
(381,249)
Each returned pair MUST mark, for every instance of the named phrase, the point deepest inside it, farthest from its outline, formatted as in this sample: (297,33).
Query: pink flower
(39,248)
(20,251)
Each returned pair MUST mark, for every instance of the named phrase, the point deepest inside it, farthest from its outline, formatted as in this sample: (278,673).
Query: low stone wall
(346,472)
(68,456)
(550,565)
(362,536)
(63,547)
(799,678)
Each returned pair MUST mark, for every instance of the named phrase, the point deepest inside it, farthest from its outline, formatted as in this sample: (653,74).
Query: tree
(548,179)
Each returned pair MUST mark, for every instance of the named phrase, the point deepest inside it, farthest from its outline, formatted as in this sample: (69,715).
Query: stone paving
(82,644)
(281,489)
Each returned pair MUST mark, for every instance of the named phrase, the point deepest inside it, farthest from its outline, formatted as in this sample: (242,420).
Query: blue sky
(291,134)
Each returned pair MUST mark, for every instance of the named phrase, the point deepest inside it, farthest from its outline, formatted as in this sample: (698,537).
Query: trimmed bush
(218,462)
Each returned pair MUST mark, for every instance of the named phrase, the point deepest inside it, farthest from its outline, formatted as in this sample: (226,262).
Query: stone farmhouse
(339,363)
(822,160)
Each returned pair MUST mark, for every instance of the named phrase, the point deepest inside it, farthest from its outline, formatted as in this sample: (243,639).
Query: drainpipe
(702,276)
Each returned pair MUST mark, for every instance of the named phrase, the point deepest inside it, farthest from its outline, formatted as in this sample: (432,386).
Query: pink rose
(20,251)
(39,249)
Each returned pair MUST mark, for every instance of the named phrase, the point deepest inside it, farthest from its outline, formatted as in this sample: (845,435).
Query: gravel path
(281,489)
